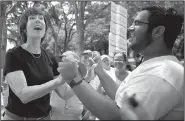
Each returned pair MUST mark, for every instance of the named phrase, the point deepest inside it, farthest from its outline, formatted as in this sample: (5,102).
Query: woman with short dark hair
(30,71)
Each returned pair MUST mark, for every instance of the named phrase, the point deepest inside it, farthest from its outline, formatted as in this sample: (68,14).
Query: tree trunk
(65,29)
(65,39)
(2,33)
(2,36)
(79,16)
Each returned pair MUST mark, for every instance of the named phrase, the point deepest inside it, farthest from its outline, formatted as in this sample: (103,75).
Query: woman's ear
(158,31)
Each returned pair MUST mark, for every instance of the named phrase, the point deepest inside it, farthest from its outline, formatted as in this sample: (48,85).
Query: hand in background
(82,69)
(90,73)
(91,61)
(98,61)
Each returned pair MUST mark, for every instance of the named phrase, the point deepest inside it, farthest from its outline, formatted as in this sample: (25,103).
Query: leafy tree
(98,28)
(77,25)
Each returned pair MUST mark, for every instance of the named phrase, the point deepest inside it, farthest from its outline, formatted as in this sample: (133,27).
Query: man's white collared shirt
(158,83)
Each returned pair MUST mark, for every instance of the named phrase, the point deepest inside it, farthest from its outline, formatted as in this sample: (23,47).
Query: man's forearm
(101,106)
(60,90)
(64,91)
(108,84)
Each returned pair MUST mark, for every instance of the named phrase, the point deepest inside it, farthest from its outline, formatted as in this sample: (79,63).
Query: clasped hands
(70,68)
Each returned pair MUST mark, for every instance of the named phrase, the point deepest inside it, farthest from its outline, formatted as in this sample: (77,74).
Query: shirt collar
(167,57)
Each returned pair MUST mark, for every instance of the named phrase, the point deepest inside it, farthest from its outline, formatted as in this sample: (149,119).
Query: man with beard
(157,83)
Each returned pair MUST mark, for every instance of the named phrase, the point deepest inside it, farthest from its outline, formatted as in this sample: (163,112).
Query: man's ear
(158,31)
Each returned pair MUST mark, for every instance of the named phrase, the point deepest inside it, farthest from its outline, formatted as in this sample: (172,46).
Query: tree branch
(71,17)
(76,14)
(71,37)
(85,3)
(70,30)
(65,18)
(65,29)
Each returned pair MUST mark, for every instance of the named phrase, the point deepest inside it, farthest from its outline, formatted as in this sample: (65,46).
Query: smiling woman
(30,70)
(32,18)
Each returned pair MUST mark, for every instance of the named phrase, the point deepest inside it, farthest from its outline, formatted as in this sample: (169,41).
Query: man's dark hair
(169,18)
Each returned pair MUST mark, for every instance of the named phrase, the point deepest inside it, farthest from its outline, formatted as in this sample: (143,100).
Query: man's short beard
(146,42)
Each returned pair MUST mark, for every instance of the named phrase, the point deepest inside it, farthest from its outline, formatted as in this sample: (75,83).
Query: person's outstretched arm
(107,82)
(18,84)
(101,106)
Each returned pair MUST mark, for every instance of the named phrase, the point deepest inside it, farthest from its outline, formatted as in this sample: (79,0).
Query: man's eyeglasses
(137,22)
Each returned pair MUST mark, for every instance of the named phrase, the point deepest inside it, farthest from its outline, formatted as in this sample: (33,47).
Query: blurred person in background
(120,64)
(85,58)
(95,53)
(106,63)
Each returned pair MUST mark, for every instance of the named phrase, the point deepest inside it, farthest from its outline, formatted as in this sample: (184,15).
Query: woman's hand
(60,80)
